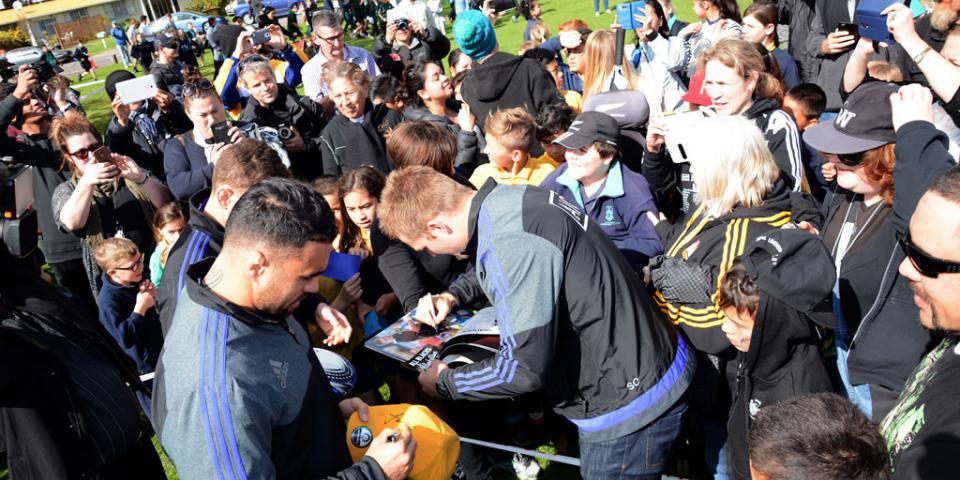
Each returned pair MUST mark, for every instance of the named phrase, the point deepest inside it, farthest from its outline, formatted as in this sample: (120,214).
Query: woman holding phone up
(109,195)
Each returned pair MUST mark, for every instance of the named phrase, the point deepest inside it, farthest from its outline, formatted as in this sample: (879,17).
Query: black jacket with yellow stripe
(713,243)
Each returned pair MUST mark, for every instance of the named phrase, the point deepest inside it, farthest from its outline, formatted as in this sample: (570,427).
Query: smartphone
(102,155)
(220,133)
(849,29)
(260,37)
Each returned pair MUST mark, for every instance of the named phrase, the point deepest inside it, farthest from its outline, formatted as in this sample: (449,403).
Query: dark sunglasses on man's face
(926,264)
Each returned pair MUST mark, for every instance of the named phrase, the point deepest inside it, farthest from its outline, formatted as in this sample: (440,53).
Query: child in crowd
(387,89)
(806,102)
(511,137)
(345,295)
(616,198)
(168,222)
(816,437)
(553,121)
(126,303)
(549,61)
(769,297)
(359,194)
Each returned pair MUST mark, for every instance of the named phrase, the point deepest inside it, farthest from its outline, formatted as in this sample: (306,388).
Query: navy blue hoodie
(138,335)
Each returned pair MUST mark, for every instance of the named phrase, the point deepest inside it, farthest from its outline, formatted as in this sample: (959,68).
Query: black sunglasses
(195,88)
(83,153)
(926,264)
(851,159)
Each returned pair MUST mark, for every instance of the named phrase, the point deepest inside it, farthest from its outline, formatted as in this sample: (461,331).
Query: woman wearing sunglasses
(107,196)
(878,338)
(189,159)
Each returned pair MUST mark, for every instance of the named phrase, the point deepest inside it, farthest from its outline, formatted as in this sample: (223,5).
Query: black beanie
(115,77)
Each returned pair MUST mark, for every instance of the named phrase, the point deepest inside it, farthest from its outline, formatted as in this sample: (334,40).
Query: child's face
(738,326)
(129,271)
(170,231)
(797,109)
(334,202)
(556,151)
(498,154)
(587,164)
(361,208)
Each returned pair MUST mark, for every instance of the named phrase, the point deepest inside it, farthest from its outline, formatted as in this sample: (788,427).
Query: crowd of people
(722,249)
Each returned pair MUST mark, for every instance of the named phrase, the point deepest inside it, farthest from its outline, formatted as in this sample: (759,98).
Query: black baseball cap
(865,122)
(168,41)
(590,127)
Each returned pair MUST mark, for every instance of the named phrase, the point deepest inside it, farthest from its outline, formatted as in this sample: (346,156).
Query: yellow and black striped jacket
(714,243)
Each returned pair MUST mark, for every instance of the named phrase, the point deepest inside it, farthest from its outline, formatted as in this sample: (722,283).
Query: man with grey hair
(328,34)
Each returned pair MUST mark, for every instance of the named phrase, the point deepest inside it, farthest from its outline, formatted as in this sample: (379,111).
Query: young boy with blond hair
(126,303)
(511,137)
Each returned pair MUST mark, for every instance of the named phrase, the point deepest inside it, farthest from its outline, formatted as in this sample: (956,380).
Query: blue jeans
(638,455)
(715,448)
(596,5)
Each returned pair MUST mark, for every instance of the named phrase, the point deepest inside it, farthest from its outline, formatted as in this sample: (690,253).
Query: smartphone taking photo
(221,133)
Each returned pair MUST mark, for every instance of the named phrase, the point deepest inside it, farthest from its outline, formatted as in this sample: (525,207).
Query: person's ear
(768,29)
(223,196)
(437,227)
(753,81)
(256,263)
(516,155)
(811,122)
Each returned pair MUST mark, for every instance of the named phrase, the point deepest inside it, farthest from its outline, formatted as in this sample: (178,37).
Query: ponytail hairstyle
(728,9)
(772,66)
(364,178)
(743,58)
(766,13)
(71,124)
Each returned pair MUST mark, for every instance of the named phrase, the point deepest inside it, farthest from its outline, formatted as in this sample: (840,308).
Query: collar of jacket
(612,186)
(201,221)
(475,204)
(201,295)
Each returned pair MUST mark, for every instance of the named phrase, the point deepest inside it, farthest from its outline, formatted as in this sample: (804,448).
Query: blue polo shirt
(619,208)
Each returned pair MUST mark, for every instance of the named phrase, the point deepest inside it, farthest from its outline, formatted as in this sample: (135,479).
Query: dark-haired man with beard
(921,430)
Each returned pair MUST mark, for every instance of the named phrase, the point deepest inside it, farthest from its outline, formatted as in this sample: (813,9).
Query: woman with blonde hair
(739,196)
(109,196)
(738,85)
(602,74)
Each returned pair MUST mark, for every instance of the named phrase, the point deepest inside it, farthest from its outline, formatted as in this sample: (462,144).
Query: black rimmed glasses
(137,265)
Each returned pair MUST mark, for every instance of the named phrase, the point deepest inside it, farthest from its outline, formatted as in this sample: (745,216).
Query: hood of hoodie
(761,106)
(494,76)
(421,113)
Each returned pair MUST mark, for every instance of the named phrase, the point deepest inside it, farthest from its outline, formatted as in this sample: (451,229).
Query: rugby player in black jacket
(574,320)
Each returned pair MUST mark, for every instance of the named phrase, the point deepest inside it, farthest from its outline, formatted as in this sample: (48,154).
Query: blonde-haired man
(573,317)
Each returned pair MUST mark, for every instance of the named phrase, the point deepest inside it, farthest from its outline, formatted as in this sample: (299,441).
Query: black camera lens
(403,24)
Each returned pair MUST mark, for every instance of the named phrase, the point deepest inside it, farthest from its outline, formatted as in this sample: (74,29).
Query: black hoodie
(291,110)
(505,81)
(202,237)
(783,362)
(780,132)
(470,144)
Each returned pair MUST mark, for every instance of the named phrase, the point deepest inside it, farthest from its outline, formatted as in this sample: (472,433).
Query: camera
(403,24)
(284,132)
(45,71)
(18,225)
